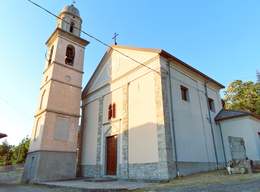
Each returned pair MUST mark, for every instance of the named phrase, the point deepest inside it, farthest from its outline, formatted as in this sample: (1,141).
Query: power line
(239,78)
(16,108)
(93,37)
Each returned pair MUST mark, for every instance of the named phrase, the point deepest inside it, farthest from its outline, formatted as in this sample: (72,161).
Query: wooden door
(111,155)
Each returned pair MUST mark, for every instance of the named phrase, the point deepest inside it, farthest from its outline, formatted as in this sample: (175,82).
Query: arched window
(71,27)
(109,112)
(70,54)
(50,57)
(114,110)
(42,100)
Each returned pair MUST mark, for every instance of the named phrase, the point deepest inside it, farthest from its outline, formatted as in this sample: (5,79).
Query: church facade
(128,121)
(145,115)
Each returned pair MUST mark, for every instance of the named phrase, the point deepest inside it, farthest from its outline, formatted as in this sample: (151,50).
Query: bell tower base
(46,165)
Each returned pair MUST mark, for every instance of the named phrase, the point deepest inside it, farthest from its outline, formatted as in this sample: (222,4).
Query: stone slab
(237,147)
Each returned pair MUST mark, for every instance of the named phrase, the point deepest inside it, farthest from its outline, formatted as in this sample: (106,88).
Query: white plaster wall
(240,127)
(255,123)
(143,146)
(120,66)
(89,145)
(193,131)
(115,96)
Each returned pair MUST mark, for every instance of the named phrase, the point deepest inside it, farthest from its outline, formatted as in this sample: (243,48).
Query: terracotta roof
(229,114)
(2,135)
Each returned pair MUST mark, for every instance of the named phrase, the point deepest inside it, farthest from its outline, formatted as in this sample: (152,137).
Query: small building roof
(2,135)
(229,114)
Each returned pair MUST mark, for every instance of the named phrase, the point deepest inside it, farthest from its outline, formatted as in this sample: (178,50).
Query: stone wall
(124,169)
(166,165)
(91,170)
(11,174)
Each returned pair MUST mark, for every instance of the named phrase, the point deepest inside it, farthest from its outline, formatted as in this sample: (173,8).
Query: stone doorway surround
(113,129)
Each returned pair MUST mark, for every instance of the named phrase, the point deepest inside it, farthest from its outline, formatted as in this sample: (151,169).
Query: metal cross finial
(115,38)
(73,2)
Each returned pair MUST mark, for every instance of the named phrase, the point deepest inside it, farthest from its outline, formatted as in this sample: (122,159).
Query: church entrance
(111,155)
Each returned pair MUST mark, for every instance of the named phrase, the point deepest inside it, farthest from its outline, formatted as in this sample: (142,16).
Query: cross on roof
(73,2)
(115,39)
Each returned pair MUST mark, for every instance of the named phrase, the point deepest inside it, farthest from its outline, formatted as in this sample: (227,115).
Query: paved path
(97,186)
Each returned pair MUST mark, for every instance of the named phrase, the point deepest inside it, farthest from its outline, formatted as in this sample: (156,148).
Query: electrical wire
(239,79)
(94,37)
(16,108)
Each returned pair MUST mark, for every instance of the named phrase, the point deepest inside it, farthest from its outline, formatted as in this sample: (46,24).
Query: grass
(205,178)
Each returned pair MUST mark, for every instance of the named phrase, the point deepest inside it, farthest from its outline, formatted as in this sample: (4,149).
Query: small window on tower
(42,100)
(50,57)
(70,54)
(71,27)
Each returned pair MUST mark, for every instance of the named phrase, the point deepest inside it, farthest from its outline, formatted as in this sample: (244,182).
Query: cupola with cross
(53,145)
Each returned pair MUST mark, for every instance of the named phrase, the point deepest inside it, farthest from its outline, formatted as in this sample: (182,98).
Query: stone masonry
(166,164)
(100,117)
(124,166)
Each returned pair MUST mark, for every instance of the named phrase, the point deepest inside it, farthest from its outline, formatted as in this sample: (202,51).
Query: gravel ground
(242,186)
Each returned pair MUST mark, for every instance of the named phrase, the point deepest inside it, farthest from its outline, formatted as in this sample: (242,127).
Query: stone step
(100,179)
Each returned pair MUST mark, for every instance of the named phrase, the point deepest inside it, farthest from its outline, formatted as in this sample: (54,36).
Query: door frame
(112,130)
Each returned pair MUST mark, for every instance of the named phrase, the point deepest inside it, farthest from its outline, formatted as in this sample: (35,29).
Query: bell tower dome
(53,146)
(69,20)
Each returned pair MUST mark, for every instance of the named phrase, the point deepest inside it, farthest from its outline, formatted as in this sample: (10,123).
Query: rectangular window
(184,93)
(212,105)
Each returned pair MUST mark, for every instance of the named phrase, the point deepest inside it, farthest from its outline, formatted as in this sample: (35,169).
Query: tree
(258,76)
(20,151)
(6,153)
(243,96)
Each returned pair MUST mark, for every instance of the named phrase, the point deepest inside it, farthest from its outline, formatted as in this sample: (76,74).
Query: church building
(145,114)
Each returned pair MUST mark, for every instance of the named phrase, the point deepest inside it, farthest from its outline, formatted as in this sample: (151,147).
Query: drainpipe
(172,116)
(205,85)
(221,135)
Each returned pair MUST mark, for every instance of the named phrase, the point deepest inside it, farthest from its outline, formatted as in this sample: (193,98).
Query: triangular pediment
(115,63)
(112,130)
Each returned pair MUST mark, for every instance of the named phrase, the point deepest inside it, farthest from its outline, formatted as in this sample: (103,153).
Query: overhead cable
(94,37)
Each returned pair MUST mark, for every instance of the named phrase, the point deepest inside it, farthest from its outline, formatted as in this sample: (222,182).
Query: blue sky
(219,38)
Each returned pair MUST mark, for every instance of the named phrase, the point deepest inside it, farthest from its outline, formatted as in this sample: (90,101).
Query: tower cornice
(60,32)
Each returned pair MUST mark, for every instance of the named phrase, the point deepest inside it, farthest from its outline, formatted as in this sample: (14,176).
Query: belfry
(53,145)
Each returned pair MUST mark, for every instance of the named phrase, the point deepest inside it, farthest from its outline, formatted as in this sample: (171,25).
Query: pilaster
(166,164)
(99,134)
(124,169)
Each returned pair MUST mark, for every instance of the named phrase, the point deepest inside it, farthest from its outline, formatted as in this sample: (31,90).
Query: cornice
(63,65)
(60,32)
(49,150)
(55,111)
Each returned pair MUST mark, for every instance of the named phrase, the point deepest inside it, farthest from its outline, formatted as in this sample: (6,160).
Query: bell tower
(53,145)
